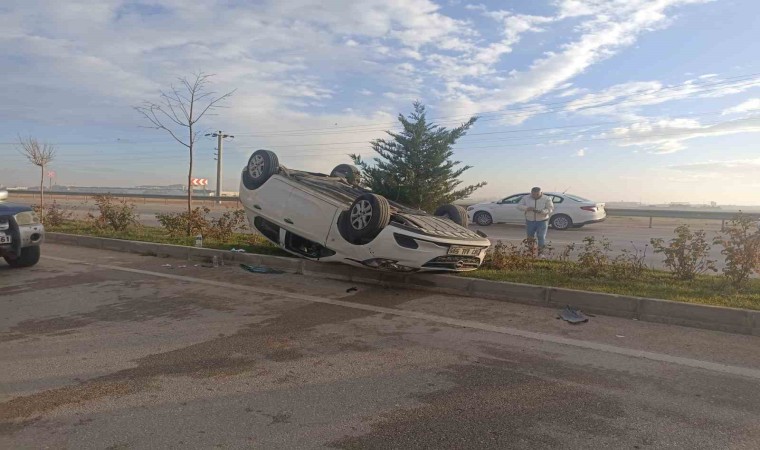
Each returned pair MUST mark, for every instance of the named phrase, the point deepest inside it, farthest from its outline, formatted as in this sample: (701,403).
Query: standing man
(537,208)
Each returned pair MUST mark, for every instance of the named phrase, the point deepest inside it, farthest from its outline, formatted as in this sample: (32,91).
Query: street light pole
(220,139)
(219,169)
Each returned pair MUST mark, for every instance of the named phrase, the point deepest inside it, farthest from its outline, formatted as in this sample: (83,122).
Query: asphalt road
(111,350)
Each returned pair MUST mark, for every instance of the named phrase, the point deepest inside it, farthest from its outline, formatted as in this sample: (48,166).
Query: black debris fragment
(572,316)
(260,269)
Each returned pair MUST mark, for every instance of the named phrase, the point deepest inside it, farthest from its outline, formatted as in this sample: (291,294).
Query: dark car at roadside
(21,233)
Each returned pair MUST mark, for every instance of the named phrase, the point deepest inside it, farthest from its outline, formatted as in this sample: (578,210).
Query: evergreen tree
(415,166)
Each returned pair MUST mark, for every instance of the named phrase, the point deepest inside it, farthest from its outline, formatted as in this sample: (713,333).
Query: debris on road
(166,265)
(351,289)
(260,269)
(572,316)
(237,250)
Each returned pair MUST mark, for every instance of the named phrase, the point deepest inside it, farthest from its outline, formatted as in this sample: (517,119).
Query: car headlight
(26,218)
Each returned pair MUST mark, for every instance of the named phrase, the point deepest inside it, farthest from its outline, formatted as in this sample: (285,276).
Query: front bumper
(21,236)
(407,251)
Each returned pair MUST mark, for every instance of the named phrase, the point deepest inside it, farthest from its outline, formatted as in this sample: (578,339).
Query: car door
(309,215)
(506,210)
(269,200)
(559,204)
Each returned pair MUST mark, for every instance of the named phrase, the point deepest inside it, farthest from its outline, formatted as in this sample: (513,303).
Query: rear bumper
(592,221)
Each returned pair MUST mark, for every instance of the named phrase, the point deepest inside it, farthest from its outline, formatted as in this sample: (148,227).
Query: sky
(635,100)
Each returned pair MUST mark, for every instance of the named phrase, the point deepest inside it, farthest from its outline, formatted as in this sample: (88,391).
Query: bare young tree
(39,154)
(178,112)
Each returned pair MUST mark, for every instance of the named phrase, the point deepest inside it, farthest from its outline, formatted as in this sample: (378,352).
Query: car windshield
(576,198)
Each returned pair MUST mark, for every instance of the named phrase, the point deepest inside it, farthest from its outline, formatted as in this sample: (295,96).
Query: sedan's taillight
(589,208)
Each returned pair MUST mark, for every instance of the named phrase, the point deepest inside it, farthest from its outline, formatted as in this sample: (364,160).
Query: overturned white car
(330,218)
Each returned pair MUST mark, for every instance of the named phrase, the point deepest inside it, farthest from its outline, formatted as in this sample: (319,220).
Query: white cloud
(571,92)
(581,153)
(736,167)
(752,104)
(668,136)
(615,24)
(606,27)
(625,100)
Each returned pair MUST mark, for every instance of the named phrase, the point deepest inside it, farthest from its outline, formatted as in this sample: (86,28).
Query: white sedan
(570,211)
(331,218)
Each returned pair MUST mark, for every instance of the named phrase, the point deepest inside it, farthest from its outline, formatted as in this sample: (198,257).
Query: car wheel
(261,165)
(455,213)
(483,219)
(368,215)
(348,172)
(29,257)
(561,222)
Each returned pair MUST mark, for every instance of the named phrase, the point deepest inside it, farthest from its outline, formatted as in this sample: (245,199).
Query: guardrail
(615,212)
(679,214)
(86,195)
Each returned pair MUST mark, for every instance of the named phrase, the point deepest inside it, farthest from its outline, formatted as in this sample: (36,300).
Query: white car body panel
(313,215)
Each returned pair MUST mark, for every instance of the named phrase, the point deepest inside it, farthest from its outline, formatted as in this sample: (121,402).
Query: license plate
(464,251)
(5,239)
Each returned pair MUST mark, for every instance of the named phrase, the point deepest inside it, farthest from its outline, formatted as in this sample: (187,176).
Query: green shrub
(229,223)
(686,255)
(197,222)
(55,216)
(630,264)
(594,259)
(741,247)
(117,215)
(184,223)
(508,256)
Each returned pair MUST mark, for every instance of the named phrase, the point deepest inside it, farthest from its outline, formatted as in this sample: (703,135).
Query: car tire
(29,257)
(455,213)
(561,222)
(368,215)
(348,172)
(482,218)
(261,166)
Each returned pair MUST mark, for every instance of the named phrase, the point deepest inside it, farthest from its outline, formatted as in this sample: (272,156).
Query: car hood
(7,208)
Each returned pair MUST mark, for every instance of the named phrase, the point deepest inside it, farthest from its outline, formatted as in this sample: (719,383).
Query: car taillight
(589,208)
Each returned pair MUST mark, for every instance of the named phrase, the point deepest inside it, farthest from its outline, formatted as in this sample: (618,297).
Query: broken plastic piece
(260,269)
(166,265)
(352,289)
(573,316)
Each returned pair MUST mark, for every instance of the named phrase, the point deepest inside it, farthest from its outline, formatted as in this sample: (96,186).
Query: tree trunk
(42,187)
(190,193)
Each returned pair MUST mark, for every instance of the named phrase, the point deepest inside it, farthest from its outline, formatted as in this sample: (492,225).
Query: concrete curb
(731,320)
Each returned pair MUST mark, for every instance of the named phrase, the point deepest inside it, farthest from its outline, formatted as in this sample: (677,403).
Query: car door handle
(289,221)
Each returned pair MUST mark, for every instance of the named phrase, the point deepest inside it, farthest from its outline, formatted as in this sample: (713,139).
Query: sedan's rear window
(576,198)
